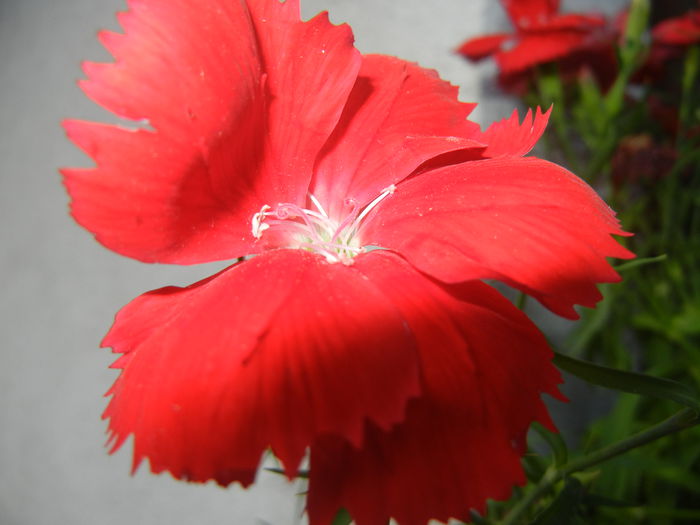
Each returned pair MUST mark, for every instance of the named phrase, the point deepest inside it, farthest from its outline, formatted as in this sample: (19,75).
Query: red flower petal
(271,352)
(481,47)
(573,21)
(172,67)
(311,69)
(151,200)
(398,116)
(680,31)
(508,137)
(239,120)
(540,47)
(541,36)
(526,14)
(484,368)
(524,221)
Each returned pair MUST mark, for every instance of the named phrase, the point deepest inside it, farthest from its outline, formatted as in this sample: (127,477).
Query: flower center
(314,230)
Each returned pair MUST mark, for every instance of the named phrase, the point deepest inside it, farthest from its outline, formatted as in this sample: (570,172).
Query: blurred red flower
(359,329)
(543,35)
(662,67)
(669,40)
(639,159)
(680,31)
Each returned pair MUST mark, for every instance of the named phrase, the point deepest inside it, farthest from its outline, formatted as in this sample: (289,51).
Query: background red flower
(542,35)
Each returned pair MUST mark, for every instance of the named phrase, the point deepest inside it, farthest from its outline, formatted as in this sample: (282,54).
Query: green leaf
(654,513)
(549,84)
(688,321)
(477,519)
(618,425)
(631,382)
(342,518)
(682,420)
(556,444)
(275,470)
(631,54)
(564,508)
(590,121)
(691,70)
(640,262)
(637,22)
(596,500)
(534,467)
(667,470)
(594,321)
(651,514)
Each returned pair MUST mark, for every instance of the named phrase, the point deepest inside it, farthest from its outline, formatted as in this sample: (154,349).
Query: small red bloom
(542,35)
(661,69)
(639,159)
(681,31)
(670,38)
(411,382)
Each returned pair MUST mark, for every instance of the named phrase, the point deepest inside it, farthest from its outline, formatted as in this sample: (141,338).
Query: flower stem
(681,420)
(521,301)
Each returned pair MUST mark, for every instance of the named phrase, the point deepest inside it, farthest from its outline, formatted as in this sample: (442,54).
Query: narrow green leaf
(596,500)
(640,262)
(637,23)
(275,470)
(669,470)
(691,70)
(590,121)
(649,514)
(684,419)
(630,54)
(594,321)
(652,513)
(631,382)
(564,508)
(478,519)
(556,444)
(534,467)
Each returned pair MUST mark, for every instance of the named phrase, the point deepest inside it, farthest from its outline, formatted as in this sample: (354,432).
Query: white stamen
(315,230)
(318,205)
(385,193)
(258,226)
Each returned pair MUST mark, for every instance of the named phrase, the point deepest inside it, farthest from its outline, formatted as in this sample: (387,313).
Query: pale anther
(314,230)
(258,226)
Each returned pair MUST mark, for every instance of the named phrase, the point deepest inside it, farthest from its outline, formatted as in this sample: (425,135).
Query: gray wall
(60,289)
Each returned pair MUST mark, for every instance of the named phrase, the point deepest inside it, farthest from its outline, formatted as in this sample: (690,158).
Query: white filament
(315,230)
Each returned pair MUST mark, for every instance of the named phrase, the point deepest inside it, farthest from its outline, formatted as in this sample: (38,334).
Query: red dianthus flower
(670,38)
(542,35)
(360,329)
(679,31)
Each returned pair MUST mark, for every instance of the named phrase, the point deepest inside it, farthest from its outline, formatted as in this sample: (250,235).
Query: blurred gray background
(60,289)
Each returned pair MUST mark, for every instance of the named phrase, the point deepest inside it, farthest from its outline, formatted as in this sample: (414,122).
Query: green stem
(631,56)
(656,512)
(681,420)
(521,301)
(550,92)
(691,69)
(548,480)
